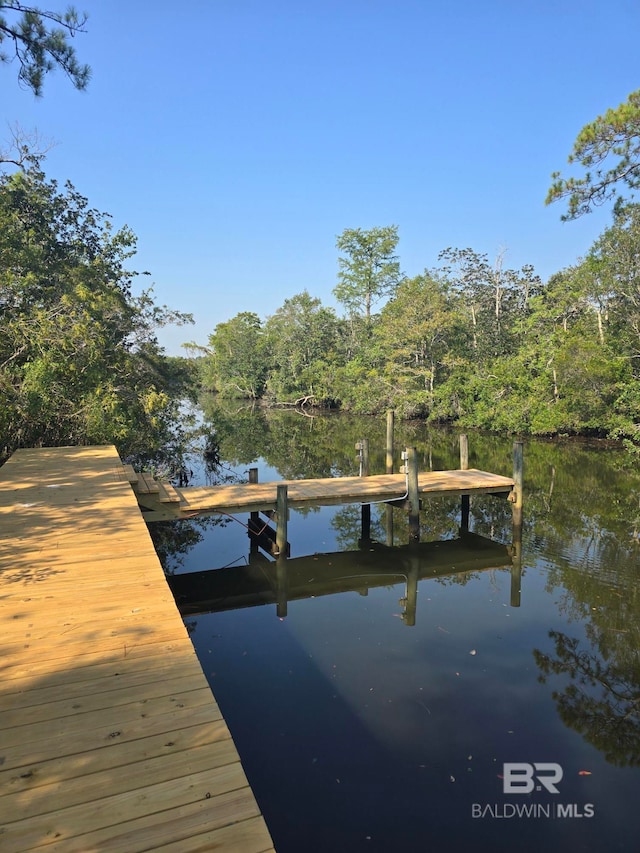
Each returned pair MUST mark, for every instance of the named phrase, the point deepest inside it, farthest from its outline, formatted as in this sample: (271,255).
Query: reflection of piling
(281,587)
(414,498)
(390,426)
(516,572)
(363,447)
(464,500)
(388,525)
(411,600)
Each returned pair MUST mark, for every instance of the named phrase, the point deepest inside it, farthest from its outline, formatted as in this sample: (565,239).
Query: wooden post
(363,447)
(464,514)
(365,527)
(516,506)
(414,499)
(516,509)
(390,426)
(464,500)
(464,453)
(282,510)
(255,516)
(282,516)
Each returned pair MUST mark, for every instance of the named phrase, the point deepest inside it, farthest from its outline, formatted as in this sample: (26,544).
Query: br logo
(522,778)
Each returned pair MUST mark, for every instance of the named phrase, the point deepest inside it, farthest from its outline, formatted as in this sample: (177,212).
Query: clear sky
(238,138)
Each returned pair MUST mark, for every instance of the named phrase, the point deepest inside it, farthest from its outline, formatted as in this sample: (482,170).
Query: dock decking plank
(118,757)
(111,810)
(109,734)
(183,826)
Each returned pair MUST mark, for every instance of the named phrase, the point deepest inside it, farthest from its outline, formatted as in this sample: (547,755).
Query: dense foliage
(470,341)
(79,358)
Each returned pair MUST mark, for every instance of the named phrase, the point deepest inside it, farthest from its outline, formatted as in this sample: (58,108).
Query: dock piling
(464,499)
(390,429)
(254,516)
(516,506)
(282,515)
(365,523)
(464,452)
(414,498)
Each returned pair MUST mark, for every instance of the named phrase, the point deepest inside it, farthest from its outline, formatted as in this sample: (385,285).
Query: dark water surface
(360,731)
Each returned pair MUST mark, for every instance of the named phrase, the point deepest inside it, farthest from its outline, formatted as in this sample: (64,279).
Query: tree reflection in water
(602,700)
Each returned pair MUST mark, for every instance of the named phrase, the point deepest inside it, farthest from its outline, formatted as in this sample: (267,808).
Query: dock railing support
(464,500)
(390,429)
(365,527)
(414,498)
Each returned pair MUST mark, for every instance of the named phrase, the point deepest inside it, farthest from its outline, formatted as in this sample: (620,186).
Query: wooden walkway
(110,738)
(256,497)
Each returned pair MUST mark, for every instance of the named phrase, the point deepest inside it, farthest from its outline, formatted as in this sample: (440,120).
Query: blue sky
(238,138)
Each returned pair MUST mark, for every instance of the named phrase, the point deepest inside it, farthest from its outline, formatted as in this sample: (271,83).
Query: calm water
(369,719)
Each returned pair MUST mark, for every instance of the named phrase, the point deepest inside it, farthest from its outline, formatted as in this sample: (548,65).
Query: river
(498,707)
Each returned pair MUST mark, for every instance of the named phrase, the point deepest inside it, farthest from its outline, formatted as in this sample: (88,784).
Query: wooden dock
(110,737)
(256,497)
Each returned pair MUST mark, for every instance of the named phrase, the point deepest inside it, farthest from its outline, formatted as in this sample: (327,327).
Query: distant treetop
(608,148)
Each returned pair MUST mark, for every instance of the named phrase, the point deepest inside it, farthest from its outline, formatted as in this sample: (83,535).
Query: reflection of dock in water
(265,582)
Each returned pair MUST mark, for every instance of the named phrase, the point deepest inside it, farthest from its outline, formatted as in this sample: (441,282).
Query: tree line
(469,341)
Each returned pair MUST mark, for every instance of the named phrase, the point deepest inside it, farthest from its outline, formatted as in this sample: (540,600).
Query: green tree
(614,262)
(417,331)
(369,271)
(303,337)
(492,297)
(238,360)
(39,41)
(609,149)
(79,357)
